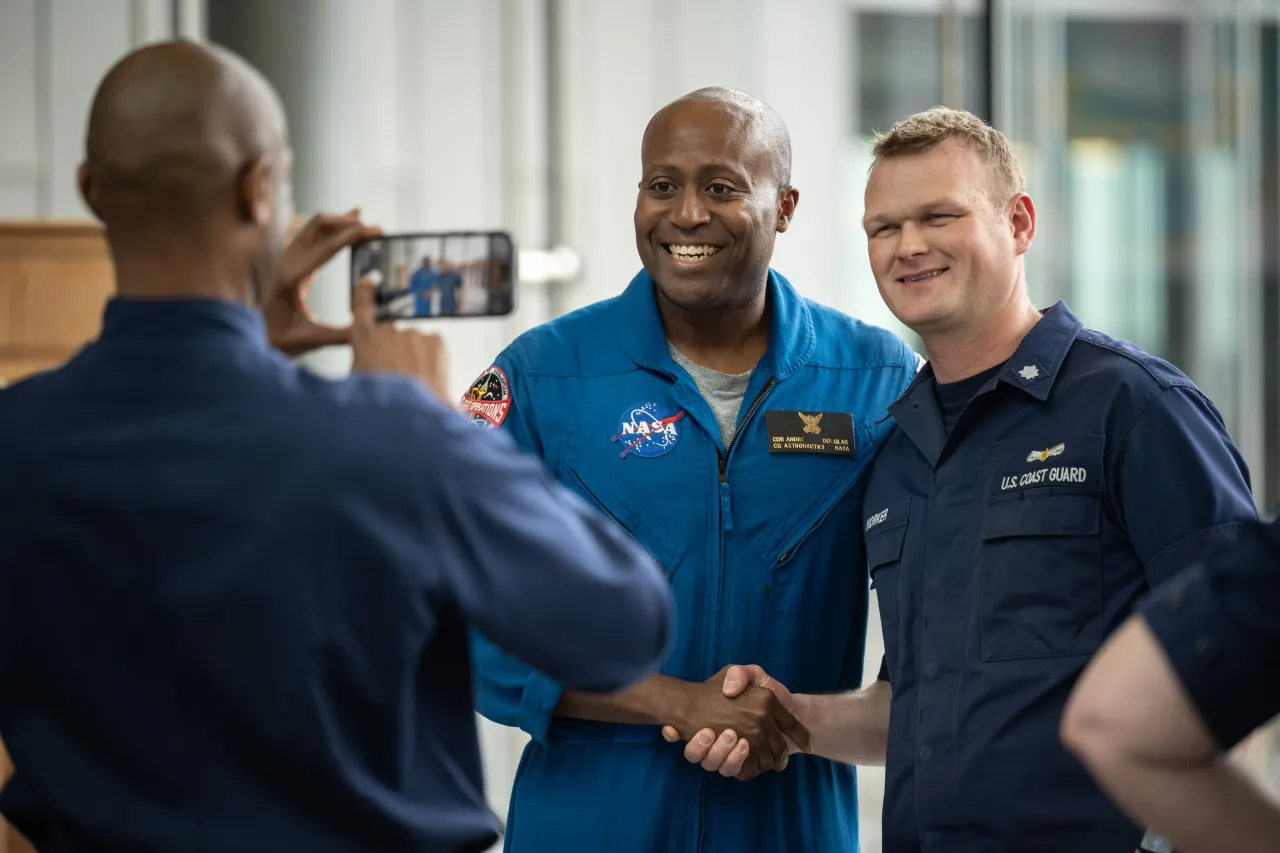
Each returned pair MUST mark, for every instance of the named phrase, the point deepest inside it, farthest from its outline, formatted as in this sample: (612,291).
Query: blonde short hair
(919,133)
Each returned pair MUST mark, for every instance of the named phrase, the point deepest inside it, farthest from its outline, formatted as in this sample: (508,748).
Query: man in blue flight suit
(1183,681)
(1042,478)
(235,596)
(422,284)
(726,423)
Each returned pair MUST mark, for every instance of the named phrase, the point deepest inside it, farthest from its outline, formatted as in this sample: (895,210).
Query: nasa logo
(648,430)
(488,399)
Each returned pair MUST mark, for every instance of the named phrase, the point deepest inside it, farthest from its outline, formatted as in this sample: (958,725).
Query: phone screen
(438,275)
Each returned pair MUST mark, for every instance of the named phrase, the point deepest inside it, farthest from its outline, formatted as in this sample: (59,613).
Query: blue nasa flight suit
(234,597)
(762,549)
(422,284)
(1082,474)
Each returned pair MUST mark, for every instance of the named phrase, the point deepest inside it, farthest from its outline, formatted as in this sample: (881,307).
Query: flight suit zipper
(726,523)
(795,546)
(755,404)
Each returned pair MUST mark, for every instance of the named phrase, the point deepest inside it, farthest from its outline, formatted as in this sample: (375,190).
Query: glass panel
(1270,221)
(1118,227)
(901,61)
(905,62)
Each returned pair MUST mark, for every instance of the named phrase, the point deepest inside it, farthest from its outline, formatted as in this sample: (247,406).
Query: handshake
(740,723)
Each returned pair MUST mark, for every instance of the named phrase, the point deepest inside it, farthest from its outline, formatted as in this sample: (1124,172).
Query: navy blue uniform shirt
(234,597)
(1081,475)
(1218,625)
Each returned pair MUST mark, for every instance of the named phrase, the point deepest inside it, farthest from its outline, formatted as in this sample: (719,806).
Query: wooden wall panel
(62,301)
(55,278)
(8,302)
(14,367)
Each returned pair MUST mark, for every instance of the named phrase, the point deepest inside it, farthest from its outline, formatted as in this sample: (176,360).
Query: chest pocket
(1040,562)
(885,533)
(608,493)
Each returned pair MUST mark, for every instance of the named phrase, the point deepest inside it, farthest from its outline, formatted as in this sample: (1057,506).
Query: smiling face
(944,250)
(709,207)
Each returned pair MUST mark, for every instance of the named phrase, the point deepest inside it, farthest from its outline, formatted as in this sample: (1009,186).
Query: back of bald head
(172,128)
(747,110)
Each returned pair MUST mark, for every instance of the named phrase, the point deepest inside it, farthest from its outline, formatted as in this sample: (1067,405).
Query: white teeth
(923,276)
(692,252)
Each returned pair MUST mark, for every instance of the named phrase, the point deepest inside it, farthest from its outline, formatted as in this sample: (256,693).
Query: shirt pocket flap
(886,532)
(792,526)
(1043,513)
(603,491)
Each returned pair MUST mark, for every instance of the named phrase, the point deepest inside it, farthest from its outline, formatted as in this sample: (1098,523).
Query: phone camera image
(425,276)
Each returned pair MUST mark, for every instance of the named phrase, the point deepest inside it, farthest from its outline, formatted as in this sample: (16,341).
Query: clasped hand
(739,723)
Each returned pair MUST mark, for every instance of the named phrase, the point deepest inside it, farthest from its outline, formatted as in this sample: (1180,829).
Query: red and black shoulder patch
(488,400)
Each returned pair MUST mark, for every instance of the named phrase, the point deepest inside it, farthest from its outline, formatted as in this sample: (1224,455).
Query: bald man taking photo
(235,596)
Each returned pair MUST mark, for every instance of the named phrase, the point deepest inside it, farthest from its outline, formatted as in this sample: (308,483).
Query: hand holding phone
(383,348)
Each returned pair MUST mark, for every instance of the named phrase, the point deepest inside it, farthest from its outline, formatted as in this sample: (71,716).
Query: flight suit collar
(1033,368)
(189,321)
(792,338)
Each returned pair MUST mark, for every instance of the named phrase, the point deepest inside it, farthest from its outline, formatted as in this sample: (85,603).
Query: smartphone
(436,275)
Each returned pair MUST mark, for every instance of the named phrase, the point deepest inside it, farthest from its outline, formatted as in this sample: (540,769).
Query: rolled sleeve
(538,703)
(1219,625)
(1180,482)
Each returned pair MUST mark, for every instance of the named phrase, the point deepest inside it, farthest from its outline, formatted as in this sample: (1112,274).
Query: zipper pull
(726,508)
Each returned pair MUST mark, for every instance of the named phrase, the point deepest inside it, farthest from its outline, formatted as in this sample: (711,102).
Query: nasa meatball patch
(648,430)
(488,399)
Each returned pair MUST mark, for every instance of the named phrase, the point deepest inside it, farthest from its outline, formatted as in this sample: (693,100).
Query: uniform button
(1176,599)
(925,753)
(931,671)
(1206,649)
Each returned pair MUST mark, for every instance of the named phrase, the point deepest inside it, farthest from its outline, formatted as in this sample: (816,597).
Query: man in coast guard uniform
(1042,479)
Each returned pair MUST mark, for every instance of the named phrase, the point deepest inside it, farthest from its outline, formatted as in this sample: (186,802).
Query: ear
(255,198)
(1022,222)
(88,191)
(788,198)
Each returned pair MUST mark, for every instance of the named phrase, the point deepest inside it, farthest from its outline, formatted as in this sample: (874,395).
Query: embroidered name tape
(810,432)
